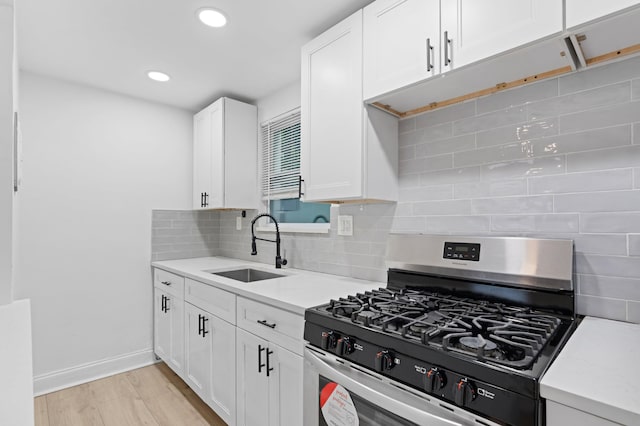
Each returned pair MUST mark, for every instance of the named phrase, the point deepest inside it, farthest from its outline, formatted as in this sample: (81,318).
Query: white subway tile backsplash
(490,120)
(609,244)
(407,153)
(506,205)
(518,96)
(610,222)
(552,223)
(636,133)
(613,94)
(434,133)
(437,162)
(458,224)
(614,201)
(602,307)
(508,152)
(450,176)
(448,114)
(636,178)
(439,208)
(499,188)
(618,266)
(633,312)
(614,158)
(405,224)
(426,193)
(518,132)
(634,245)
(407,125)
(606,180)
(614,287)
(524,168)
(445,146)
(601,117)
(600,76)
(635,89)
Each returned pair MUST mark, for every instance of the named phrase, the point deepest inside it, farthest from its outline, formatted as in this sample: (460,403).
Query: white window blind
(281,156)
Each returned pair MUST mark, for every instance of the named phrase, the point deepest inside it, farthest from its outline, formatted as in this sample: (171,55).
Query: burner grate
(511,336)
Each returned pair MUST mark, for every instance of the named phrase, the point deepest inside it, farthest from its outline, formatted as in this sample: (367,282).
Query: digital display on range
(461,251)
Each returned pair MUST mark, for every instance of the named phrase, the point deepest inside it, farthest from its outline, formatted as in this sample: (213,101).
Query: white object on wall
(16,392)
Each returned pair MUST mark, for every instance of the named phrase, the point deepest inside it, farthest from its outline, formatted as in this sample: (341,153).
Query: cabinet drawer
(171,283)
(211,299)
(272,324)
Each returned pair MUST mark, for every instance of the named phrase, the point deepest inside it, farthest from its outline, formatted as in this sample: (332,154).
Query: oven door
(337,393)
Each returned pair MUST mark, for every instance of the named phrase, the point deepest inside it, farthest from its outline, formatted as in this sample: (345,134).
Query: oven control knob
(464,392)
(435,379)
(329,340)
(384,361)
(344,346)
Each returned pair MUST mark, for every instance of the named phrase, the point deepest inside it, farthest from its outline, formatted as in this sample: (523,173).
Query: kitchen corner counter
(597,371)
(296,291)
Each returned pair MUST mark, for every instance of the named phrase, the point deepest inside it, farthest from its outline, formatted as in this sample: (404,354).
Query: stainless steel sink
(248,275)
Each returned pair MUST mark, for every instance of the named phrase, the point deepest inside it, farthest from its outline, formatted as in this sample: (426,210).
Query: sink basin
(248,275)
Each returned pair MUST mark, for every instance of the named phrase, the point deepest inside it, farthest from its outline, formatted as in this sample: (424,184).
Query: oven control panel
(462,251)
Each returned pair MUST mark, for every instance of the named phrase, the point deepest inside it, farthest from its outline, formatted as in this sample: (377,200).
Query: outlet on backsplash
(345,225)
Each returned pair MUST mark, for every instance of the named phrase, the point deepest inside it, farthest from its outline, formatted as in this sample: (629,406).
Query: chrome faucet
(254,250)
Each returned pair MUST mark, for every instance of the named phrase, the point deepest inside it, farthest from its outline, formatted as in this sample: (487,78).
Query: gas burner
(477,342)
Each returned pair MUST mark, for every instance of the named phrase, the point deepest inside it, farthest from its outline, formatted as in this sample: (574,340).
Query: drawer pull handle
(166,282)
(266,324)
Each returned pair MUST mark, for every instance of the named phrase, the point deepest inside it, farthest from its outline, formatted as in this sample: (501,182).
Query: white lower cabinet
(168,319)
(269,383)
(249,374)
(211,360)
(169,330)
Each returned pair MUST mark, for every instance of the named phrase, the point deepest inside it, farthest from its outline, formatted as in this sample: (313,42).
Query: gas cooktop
(507,335)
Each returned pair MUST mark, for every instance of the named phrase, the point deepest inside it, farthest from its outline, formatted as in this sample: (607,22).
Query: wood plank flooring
(153,396)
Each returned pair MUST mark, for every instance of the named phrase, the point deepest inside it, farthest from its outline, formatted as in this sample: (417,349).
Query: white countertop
(598,371)
(296,291)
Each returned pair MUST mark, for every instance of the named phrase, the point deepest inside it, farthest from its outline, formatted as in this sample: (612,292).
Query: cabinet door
(478,29)
(401,44)
(161,327)
(222,390)
(580,11)
(198,351)
(332,113)
(202,155)
(217,114)
(285,387)
(175,307)
(251,380)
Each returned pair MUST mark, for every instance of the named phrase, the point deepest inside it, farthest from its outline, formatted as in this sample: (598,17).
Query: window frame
(264,225)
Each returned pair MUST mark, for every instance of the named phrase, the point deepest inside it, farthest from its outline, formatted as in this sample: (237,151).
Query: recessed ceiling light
(213,18)
(158,76)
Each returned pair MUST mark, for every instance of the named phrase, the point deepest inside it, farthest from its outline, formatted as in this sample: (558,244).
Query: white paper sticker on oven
(337,406)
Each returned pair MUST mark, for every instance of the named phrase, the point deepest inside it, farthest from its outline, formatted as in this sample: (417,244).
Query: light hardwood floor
(152,395)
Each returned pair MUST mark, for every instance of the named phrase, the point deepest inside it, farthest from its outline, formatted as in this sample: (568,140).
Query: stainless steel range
(461,335)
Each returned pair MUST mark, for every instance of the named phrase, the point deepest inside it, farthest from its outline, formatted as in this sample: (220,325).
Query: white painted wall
(95,164)
(6,147)
(279,102)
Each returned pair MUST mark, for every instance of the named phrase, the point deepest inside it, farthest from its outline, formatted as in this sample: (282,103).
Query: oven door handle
(376,398)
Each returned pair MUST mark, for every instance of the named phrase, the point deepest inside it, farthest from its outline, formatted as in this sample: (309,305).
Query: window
(281,174)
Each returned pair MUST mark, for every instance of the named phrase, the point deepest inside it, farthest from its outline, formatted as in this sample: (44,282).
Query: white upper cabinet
(478,29)
(401,44)
(581,11)
(342,145)
(225,156)
(408,41)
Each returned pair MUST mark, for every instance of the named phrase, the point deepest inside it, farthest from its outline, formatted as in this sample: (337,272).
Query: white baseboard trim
(78,375)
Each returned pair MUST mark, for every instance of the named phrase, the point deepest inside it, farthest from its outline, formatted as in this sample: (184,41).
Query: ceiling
(111,44)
